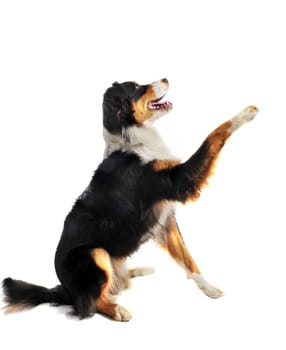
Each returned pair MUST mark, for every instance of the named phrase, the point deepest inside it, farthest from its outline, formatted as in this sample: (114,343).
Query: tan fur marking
(105,304)
(253,108)
(216,141)
(115,311)
(159,165)
(132,273)
(102,260)
(16,308)
(176,247)
(218,137)
(141,111)
(106,307)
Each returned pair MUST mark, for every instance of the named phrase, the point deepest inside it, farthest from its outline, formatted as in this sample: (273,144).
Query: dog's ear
(117,109)
(124,110)
(117,101)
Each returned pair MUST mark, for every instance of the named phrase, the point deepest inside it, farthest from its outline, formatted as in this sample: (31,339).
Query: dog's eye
(137,87)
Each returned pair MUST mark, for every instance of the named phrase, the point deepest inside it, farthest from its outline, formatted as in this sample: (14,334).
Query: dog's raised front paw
(243,117)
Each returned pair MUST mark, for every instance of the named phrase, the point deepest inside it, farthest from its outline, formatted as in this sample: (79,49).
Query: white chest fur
(144,141)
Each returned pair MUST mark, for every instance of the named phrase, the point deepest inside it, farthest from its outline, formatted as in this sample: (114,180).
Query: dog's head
(130,104)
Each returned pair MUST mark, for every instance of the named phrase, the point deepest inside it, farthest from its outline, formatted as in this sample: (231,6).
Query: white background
(57,58)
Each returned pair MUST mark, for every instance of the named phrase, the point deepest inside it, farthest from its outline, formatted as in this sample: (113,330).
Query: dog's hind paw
(122,314)
(243,117)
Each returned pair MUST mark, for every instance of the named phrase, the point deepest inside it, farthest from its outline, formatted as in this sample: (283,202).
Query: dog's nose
(164,80)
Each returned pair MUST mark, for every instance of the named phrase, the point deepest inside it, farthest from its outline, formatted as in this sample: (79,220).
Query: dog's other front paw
(141,271)
(206,287)
(243,117)
(212,291)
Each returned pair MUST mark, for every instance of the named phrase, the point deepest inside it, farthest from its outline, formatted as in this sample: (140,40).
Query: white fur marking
(122,314)
(159,88)
(243,117)
(144,141)
(156,231)
(205,286)
(142,271)
(166,212)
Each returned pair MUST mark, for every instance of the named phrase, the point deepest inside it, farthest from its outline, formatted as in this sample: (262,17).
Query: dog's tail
(21,295)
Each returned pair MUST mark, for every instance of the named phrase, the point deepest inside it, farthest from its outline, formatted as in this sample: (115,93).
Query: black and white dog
(128,201)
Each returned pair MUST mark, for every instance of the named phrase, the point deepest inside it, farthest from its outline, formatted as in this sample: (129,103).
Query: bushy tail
(20,295)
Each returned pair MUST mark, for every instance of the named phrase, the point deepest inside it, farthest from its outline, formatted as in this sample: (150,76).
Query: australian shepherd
(129,201)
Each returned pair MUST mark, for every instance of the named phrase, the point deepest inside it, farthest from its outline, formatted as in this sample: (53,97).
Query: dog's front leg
(184,182)
(170,239)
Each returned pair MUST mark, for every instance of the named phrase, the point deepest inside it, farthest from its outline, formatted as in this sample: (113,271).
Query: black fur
(19,292)
(117,105)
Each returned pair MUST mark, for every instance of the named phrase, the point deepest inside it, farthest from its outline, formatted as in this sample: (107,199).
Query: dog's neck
(144,141)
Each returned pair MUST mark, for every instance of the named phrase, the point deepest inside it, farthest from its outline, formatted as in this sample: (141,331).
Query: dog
(129,201)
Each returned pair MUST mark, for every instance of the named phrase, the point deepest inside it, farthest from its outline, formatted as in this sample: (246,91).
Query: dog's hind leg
(121,275)
(171,240)
(105,303)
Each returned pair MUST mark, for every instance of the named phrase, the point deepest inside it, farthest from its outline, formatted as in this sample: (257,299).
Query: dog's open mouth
(158,105)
